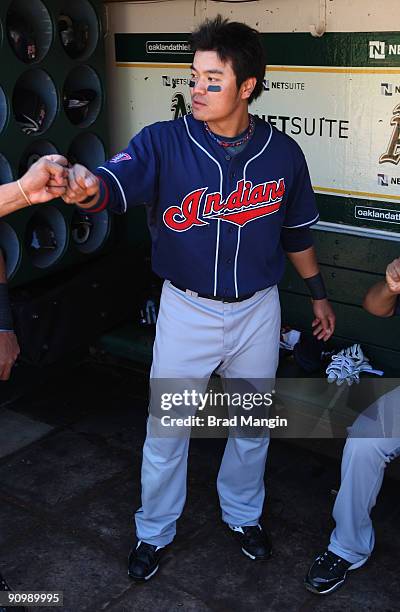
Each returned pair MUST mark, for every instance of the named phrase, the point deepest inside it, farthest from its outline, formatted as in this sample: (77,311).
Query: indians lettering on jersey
(246,203)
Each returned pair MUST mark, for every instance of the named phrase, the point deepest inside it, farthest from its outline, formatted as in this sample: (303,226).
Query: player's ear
(247,87)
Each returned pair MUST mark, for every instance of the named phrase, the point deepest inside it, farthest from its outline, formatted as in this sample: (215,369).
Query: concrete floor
(69,483)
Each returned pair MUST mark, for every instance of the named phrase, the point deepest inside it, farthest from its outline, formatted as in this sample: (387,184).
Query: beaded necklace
(224,143)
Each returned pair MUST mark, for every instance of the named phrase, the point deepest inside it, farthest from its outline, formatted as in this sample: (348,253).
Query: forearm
(305,262)
(380,301)
(11,199)
(3,273)
(6,323)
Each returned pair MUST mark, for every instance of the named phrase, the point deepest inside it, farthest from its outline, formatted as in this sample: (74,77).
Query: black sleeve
(397,307)
(296,239)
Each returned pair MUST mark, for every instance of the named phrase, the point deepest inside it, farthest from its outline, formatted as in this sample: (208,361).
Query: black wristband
(87,200)
(6,321)
(316,286)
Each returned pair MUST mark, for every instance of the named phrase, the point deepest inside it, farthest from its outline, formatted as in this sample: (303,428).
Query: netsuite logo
(388,89)
(168,81)
(378,49)
(383,180)
(284,85)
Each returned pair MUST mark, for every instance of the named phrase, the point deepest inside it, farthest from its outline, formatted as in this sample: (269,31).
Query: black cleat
(144,561)
(328,573)
(254,541)
(5,587)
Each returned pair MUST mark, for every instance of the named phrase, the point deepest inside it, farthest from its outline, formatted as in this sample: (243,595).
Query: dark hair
(236,42)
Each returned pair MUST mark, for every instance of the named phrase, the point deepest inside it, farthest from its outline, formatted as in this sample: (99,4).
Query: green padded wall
(350,265)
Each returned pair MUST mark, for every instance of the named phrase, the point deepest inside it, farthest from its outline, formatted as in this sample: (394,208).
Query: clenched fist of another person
(9,351)
(393,276)
(46,179)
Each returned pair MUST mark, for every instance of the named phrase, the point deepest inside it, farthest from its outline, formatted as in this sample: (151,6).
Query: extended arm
(45,180)
(381,298)
(305,263)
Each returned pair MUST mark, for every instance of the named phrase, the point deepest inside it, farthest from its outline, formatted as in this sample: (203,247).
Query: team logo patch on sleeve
(119,157)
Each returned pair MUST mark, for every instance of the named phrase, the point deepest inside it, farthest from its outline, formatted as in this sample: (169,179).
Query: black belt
(218,298)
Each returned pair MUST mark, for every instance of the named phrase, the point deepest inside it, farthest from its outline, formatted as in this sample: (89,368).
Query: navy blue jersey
(215,220)
(397,308)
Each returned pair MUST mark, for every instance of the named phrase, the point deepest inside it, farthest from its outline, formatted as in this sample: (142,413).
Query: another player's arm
(306,265)
(381,298)
(9,349)
(45,180)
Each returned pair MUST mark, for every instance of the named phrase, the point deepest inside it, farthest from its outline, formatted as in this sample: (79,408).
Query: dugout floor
(69,482)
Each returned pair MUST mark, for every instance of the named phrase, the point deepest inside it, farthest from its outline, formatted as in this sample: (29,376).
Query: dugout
(332,84)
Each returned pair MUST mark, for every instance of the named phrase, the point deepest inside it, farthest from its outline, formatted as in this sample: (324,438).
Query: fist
(393,276)
(82,184)
(46,179)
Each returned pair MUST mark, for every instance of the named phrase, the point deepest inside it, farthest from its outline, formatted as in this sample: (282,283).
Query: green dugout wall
(339,96)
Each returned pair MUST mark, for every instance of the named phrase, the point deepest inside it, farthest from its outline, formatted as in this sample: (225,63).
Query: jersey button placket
(228,331)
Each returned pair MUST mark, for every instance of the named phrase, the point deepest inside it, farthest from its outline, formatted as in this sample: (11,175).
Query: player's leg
(253,362)
(363,466)
(186,351)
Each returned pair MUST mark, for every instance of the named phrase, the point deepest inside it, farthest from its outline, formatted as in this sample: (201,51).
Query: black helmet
(27,160)
(29,110)
(74,35)
(40,236)
(81,227)
(76,104)
(21,37)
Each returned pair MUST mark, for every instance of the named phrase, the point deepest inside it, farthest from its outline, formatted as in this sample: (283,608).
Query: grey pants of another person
(373,442)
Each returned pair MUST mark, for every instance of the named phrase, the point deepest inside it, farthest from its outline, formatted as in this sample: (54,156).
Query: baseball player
(44,181)
(227,194)
(372,444)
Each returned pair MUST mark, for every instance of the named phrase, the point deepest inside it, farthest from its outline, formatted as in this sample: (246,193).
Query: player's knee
(361,447)
(367,450)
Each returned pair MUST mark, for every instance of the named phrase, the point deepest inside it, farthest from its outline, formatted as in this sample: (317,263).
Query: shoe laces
(329,559)
(252,533)
(145,552)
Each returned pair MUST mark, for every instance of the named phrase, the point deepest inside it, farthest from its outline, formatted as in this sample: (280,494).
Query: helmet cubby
(89,232)
(3,109)
(6,174)
(29,30)
(78,28)
(11,248)
(45,236)
(33,152)
(87,149)
(34,101)
(82,96)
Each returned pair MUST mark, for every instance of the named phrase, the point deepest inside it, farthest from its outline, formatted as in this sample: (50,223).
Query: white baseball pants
(194,337)
(372,444)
